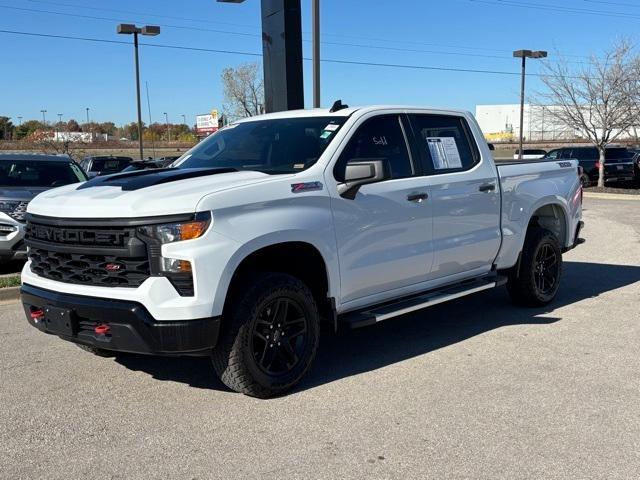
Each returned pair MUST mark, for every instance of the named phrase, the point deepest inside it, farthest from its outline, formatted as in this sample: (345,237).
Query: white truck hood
(99,198)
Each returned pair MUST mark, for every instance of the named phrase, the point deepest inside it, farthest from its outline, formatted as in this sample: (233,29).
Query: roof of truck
(37,157)
(346,112)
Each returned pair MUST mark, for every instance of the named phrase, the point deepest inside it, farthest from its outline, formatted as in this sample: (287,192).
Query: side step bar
(371,315)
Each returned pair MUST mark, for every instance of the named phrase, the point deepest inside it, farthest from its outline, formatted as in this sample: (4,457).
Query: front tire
(538,279)
(270,337)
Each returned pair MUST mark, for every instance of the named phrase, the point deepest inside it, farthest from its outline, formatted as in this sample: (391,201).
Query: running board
(371,315)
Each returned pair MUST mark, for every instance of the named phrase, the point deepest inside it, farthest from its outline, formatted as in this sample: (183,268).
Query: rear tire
(270,336)
(585,180)
(99,352)
(538,279)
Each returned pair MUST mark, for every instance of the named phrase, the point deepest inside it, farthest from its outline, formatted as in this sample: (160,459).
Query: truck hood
(143,193)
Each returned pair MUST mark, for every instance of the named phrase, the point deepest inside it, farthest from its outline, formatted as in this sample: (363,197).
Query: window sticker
(444,153)
(326,134)
(332,127)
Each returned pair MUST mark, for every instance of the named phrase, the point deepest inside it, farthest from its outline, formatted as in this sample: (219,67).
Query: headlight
(177,232)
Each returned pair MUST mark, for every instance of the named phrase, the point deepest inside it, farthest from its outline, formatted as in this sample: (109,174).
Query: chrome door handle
(417,197)
(489,187)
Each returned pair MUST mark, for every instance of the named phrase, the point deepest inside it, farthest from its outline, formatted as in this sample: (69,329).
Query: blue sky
(66,76)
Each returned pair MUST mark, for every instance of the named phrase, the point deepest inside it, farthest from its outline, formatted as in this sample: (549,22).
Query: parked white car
(277,223)
(529,154)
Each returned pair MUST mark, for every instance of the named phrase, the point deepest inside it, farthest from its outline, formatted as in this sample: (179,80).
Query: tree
(6,128)
(243,91)
(28,128)
(73,126)
(597,99)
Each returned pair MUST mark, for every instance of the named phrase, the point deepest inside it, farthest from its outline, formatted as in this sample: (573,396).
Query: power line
(226,32)
(253,54)
(555,8)
(620,4)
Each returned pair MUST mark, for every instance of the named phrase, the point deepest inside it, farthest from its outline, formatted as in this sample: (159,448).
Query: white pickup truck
(278,223)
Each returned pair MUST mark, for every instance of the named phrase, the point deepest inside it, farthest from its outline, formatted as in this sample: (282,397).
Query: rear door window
(444,142)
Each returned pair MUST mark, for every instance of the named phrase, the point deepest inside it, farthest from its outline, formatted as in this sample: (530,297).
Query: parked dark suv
(104,165)
(618,166)
(22,177)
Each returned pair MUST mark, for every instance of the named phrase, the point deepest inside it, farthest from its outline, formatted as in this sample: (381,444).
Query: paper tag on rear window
(444,153)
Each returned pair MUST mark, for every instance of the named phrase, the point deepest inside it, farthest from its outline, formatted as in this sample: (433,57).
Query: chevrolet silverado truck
(280,223)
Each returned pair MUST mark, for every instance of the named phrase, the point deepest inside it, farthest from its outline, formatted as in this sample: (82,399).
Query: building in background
(502,123)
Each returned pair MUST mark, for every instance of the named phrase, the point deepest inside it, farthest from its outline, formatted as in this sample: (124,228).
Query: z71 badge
(305,187)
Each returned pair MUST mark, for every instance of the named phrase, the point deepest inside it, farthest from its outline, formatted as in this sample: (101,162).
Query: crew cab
(278,223)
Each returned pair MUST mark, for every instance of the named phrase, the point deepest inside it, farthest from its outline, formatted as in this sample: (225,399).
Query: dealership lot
(474,389)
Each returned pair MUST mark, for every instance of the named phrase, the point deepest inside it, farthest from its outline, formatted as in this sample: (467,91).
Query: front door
(384,234)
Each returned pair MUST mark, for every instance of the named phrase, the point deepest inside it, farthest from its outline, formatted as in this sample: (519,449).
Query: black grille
(100,270)
(16,210)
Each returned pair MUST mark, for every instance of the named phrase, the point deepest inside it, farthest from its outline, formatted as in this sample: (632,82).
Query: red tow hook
(102,329)
(37,315)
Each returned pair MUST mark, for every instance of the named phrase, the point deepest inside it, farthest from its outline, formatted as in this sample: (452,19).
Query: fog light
(173,265)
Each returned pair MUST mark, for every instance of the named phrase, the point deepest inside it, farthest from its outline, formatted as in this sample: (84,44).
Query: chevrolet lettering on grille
(78,237)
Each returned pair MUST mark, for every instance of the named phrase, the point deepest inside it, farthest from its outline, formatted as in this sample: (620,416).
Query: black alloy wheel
(279,337)
(546,269)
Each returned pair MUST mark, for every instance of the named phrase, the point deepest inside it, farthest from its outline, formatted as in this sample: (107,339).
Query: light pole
(524,54)
(44,118)
(150,30)
(184,119)
(87,110)
(315,34)
(20,120)
(166,121)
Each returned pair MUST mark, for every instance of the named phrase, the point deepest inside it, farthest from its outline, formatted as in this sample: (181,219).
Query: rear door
(464,196)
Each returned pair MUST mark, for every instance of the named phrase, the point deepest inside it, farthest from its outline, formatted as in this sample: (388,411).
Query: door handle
(417,197)
(489,187)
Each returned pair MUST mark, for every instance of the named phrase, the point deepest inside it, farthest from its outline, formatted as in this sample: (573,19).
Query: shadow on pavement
(14,266)
(352,352)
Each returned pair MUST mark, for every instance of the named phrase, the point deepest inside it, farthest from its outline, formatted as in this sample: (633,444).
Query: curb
(10,293)
(612,196)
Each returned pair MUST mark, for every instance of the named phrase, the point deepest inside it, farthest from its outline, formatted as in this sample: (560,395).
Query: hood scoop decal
(130,181)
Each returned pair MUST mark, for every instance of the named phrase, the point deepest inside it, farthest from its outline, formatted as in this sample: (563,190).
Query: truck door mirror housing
(361,172)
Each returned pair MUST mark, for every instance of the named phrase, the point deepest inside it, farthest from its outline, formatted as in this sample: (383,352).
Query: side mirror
(358,173)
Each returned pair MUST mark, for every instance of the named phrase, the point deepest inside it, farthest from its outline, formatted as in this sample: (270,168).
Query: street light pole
(315,34)
(524,54)
(44,118)
(20,120)
(166,121)
(128,29)
(87,110)
(184,119)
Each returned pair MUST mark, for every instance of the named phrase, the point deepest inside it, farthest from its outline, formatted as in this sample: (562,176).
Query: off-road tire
(522,285)
(234,358)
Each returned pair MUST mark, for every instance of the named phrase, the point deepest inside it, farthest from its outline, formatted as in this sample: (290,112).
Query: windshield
(109,165)
(285,145)
(30,173)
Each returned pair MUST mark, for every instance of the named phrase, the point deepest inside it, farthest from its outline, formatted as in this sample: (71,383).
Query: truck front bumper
(117,325)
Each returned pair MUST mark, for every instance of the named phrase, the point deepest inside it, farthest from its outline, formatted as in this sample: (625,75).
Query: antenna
(337,106)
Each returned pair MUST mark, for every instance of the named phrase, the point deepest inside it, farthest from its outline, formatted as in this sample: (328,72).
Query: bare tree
(243,91)
(598,99)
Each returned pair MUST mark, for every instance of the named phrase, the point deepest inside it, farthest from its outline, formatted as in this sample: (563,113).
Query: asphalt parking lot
(474,389)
